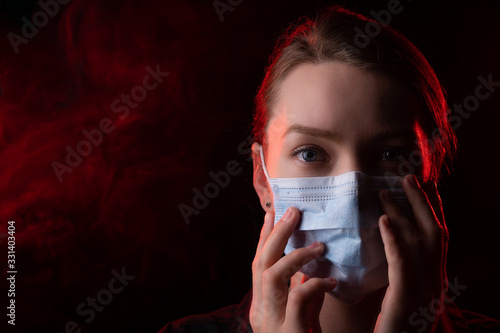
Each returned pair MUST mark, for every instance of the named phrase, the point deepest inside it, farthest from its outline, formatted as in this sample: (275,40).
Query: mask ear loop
(264,163)
(268,204)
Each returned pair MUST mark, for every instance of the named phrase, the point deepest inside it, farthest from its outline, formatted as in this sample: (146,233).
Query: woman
(347,98)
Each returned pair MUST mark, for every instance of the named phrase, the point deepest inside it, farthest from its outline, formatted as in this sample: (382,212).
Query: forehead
(342,97)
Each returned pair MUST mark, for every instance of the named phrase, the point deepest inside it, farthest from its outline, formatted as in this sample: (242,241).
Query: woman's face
(333,118)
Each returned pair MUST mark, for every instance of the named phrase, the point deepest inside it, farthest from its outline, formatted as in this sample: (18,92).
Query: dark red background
(119,207)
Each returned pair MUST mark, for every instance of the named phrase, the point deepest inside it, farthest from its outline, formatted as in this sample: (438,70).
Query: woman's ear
(260,181)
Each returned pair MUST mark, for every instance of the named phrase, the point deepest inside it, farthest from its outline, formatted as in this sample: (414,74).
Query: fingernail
(288,214)
(387,222)
(314,245)
(331,279)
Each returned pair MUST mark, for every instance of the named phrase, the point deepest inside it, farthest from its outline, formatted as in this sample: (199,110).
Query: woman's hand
(416,255)
(274,307)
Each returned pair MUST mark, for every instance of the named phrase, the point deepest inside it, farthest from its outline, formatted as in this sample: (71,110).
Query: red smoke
(120,201)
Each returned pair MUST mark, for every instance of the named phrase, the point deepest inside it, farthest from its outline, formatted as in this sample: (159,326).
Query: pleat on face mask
(342,212)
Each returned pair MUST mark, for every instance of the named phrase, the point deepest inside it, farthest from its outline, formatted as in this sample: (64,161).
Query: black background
(120,207)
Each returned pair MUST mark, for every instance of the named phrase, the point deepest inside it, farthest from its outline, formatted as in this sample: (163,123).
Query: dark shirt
(234,319)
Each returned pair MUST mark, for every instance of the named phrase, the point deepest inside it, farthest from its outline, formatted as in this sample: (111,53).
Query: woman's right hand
(274,307)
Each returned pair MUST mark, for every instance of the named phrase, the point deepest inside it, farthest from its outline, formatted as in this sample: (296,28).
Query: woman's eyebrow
(312,131)
(406,133)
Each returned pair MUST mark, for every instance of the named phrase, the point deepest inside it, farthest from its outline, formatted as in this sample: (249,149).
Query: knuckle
(255,317)
(296,296)
(256,265)
(299,258)
(288,273)
(252,315)
(278,296)
(269,276)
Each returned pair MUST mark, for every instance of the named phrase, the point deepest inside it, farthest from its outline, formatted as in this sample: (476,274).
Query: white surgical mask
(342,212)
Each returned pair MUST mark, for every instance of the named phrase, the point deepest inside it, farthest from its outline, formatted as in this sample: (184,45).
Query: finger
(305,301)
(267,227)
(277,240)
(256,270)
(398,219)
(394,253)
(287,266)
(270,252)
(426,220)
(275,278)
(435,234)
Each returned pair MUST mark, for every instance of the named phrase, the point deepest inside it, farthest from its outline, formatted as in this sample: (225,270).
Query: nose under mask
(342,212)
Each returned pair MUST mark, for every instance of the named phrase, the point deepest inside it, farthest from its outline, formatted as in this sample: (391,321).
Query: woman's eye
(308,155)
(393,154)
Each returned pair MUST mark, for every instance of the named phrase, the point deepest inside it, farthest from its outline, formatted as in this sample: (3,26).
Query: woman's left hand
(416,255)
